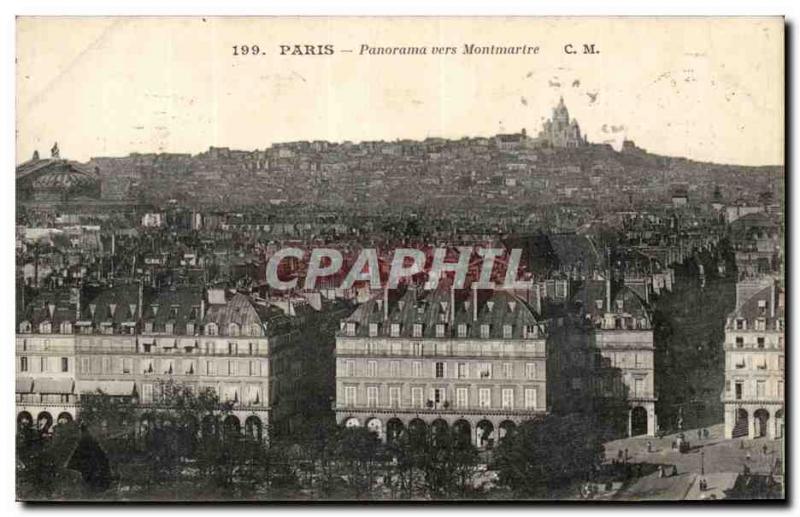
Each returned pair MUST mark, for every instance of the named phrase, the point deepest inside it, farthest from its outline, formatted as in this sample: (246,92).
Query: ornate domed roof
(66,175)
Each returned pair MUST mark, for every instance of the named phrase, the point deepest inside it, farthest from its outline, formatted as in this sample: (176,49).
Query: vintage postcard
(400,259)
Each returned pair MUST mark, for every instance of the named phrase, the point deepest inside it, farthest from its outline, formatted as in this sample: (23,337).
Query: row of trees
(116,450)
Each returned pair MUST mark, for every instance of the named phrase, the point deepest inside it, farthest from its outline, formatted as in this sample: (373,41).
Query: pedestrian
(674,470)
(649,446)
(765,449)
(699,434)
(626,455)
(705,434)
(661,471)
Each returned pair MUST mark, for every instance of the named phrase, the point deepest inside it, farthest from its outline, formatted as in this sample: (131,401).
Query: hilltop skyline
(171,85)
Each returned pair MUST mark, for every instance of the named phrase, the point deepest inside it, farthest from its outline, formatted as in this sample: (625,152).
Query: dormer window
(255,329)
(462,330)
(169,327)
(212,329)
(530,331)
(350,328)
(620,305)
(25,327)
(440,328)
(66,327)
(485,328)
(233,329)
(507,329)
(598,304)
(740,324)
(417,330)
(190,329)
(373,329)
(394,330)
(148,327)
(45,327)
(761,324)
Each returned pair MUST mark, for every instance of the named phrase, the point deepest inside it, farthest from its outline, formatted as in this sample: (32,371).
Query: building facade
(473,362)
(753,395)
(124,342)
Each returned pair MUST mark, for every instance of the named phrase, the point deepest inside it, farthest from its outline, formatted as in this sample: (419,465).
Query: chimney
(474,302)
(452,305)
(141,301)
(772,300)
(386,304)
(608,293)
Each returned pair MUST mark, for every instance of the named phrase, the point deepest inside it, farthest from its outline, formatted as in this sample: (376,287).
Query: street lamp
(702,463)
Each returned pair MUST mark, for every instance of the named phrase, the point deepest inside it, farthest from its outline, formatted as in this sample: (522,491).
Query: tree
(542,455)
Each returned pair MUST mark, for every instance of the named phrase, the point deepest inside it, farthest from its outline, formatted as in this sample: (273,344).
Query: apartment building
(470,361)
(753,395)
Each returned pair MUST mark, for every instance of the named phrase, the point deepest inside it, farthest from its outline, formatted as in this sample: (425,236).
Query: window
(638,387)
(188,367)
(760,342)
(211,329)
(462,398)
(530,370)
(211,368)
(620,305)
(598,304)
(462,370)
(530,398)
(147,393)
(761,324)
(23,364)
(373,329)
(349,368)
(508,398)
(485,330)
(761,389)
(484,397)
(485,370)
(739,342)
(64,364)
(440,330)
(233,329)
(739,361)
(507,329)
(416,348)
(780,362)
(740,324)
(252,368)
(233,368)
(394,369)
(232,349)
(416,397)
(739,387)
(350,328)
(372,369)
(350,396)
(780,389)
(372,396)
(462,330)
(43,364)
(439,370)
(508,370)
(416,330)
(394,396)
(394,329)
(438,397)
(416,369)
(127,365)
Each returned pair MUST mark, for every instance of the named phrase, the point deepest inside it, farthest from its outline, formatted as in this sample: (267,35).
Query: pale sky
(707,89)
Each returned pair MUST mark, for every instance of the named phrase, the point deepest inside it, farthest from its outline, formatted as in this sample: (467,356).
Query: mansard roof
(495,308)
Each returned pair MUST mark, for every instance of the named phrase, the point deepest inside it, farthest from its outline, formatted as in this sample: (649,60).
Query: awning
(166,342)
(24,385)
(184,342)
(112,388)
(59,386)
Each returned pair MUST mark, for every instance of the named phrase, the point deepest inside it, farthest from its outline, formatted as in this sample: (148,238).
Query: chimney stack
(772,300)
(452,307)
(474,302)
(608,293)
(386,304)
(140,301)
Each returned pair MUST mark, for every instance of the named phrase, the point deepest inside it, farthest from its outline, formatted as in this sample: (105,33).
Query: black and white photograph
(399,259)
